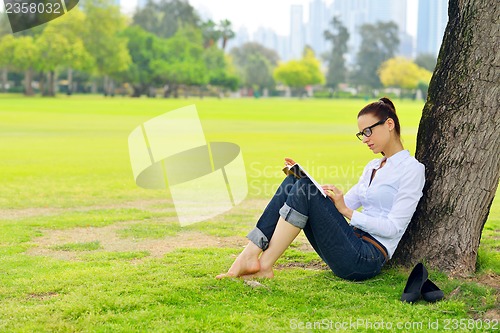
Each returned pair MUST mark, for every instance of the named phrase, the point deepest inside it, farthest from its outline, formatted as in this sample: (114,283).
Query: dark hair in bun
(382,109)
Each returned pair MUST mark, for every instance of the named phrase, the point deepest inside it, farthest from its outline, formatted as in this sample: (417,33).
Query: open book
(299,172)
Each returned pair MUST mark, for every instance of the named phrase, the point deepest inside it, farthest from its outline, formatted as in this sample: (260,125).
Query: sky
(251,14)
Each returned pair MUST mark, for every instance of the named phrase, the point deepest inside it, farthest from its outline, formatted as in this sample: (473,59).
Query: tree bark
(70,81)
(28,79)
(4,79)
(51,84)
(105,85)
(458,141)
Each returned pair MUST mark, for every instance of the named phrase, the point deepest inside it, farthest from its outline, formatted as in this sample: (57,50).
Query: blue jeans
(301,204)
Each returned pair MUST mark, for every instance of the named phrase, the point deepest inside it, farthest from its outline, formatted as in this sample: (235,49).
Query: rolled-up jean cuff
(257,237)
(293,217)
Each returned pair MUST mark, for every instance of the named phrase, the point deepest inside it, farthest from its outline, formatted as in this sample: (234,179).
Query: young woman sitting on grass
(388,190)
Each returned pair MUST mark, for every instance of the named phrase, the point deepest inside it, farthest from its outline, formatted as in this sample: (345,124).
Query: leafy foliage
(427,61)
(102,38)
(402,73)
(163,18)
(379,42)
(220,69)
(337,70)
(255,64)
(300,73)
(180,59)
(141,46)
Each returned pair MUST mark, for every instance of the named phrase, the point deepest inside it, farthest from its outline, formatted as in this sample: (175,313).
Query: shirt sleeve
(405,203)
(351,198)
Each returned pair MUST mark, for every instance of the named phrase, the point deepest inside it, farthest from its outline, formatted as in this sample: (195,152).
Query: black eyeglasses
(368,131)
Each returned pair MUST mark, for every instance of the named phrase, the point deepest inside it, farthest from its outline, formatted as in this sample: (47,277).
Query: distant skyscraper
(266,37)
(405,45)
(318,23)
(241,37)
(398,14)
(296,31)
(283,48)
(352,13)
(432,20)
(379,11)
(355,13)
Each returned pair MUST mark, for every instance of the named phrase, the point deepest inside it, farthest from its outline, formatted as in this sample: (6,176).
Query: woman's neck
(393,148)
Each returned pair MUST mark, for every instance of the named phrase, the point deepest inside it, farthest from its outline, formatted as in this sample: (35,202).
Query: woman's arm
(405,203)
(338,199)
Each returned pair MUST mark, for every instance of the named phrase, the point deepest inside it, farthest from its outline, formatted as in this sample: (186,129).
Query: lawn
(83,249)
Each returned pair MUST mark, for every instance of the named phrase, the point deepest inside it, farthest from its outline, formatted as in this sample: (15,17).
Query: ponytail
(382,109)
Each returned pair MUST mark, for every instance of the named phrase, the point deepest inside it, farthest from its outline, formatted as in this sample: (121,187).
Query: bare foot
(262,273)
(243,265)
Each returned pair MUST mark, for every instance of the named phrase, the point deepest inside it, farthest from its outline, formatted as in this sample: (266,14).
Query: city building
(317,24)
(297,40)
(266,37)
(432,20)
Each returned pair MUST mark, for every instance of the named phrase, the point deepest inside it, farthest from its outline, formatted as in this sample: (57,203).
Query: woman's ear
(390,123)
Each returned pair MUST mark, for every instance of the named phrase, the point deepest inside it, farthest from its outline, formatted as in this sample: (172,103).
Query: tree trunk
(70,81)
(137,91)
(111,88)
(459,143)
(42,83)
(28,79)
(105,85)
(51,83)
(4,79)
(55,85)
(93,87)
(47,84)
(166,91)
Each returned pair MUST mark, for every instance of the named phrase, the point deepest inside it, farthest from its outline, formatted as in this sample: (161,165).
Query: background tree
(103,41)
(72,27)
(297,74)
(141,46)
(4,24)
(402,73)
(25,56)
(164,17)
(7,49)
(458,142)
(226,32)
(339,36)
(220,70)
(427,61)
(255,64)
(210,32)
(53,52)
(379,42)
(180,60)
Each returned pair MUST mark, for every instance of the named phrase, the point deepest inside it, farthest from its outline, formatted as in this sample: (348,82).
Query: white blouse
(390,200)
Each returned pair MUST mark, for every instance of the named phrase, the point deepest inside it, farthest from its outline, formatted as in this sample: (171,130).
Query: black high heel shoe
(431,292)
(416,280)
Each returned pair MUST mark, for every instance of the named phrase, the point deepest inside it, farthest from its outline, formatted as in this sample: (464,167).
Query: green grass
(65,168)
(87,246)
